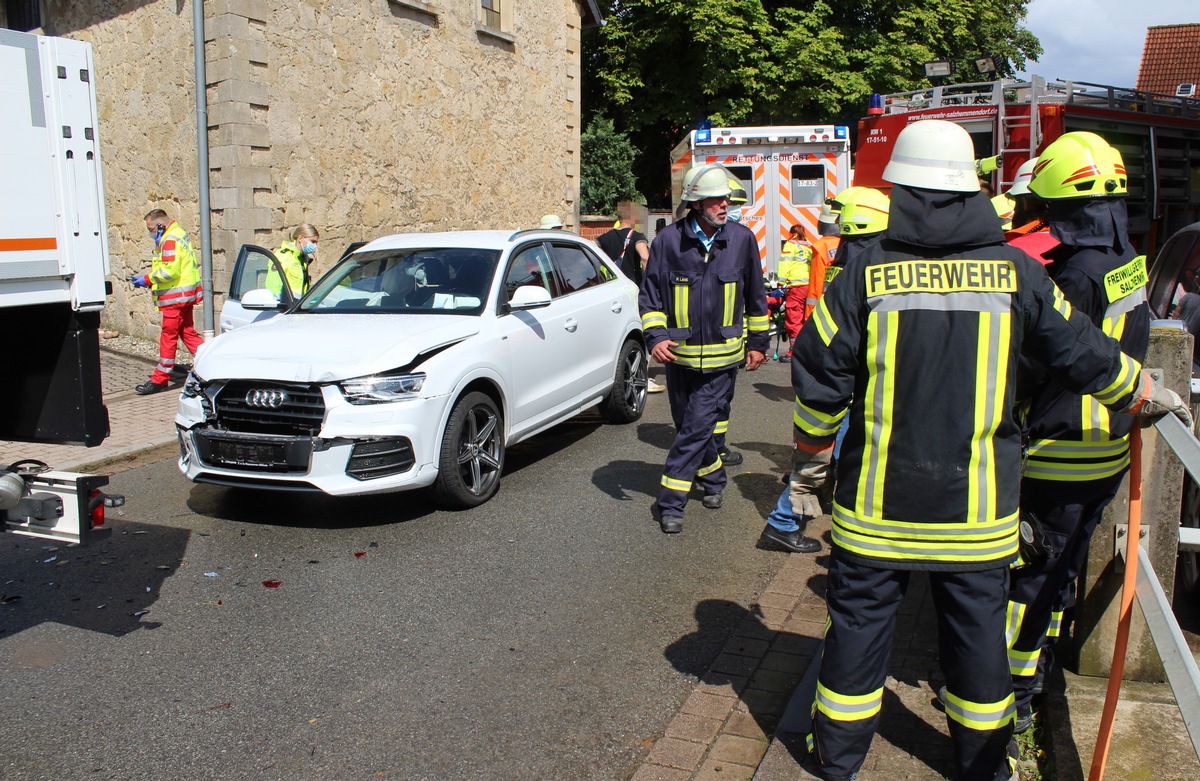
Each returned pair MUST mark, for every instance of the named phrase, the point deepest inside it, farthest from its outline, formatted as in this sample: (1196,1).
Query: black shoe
(670,524)
(793,542)
(1024,719)
(150,386)
(712,501)
(731,457)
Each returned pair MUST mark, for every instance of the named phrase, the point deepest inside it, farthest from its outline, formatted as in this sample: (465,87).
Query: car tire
(472,453)
(627,399)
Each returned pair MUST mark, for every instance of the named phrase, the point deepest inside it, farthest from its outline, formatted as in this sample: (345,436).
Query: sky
(1099,41)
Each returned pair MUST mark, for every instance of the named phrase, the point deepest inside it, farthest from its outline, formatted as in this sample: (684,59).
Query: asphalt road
(550,634)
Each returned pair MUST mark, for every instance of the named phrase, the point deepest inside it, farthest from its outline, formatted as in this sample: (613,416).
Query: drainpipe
(206,278)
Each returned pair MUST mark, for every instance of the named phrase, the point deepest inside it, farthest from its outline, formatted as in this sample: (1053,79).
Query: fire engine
(1158,136)
(53,269)
(787,171)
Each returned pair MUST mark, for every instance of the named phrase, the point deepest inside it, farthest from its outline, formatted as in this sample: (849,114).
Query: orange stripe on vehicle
(24,245)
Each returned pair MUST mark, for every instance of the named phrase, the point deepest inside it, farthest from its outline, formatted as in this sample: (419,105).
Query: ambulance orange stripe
(24,245)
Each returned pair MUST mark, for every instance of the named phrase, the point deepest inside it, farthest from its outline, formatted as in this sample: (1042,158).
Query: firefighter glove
(138,280)
(1153,400)
(810,464)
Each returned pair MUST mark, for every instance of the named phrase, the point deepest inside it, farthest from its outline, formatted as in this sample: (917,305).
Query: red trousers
(793,313)
(177,324)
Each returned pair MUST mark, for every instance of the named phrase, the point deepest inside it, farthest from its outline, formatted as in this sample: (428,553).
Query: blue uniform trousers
(1040,593)
(697,399)
(862,604)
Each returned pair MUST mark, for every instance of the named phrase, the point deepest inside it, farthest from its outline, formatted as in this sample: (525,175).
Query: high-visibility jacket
(295,270)
(174,273)
(794,262)
(1074,437)
(704,299)
(824,254)
(918,341)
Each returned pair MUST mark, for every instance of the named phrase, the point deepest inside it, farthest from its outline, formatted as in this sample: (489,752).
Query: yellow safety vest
(174,273)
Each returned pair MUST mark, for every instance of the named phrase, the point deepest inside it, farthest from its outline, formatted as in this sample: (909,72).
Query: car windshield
(432,280)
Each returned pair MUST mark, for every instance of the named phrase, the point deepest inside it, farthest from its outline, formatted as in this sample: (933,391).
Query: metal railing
(1178,662)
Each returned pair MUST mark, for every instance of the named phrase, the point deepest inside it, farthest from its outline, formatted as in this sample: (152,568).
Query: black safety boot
(150,386)
(670,524)
(793,542)
(712,501)
(730,457)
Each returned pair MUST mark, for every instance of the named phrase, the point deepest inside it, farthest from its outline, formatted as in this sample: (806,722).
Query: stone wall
(363,117)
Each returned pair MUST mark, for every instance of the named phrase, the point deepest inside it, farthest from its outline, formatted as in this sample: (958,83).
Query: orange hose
(1128,589)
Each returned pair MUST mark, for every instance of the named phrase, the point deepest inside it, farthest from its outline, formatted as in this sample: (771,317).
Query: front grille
(300,410)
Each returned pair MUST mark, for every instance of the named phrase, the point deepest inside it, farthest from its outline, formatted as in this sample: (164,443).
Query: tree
(658,66)
(606,168)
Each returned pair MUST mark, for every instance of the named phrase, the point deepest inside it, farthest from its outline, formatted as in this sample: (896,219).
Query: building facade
(362,117)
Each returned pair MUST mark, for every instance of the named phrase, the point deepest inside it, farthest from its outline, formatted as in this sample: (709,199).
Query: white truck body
(787,170)
(53,281)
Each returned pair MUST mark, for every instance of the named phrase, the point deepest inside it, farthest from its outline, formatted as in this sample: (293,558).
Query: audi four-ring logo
(265,398)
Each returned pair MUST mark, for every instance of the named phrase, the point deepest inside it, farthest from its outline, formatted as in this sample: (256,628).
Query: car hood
(328,347)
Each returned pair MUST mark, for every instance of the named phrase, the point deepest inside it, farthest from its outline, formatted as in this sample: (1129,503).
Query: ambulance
(787,171)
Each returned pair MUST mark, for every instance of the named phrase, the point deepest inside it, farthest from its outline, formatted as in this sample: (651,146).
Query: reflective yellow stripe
(823,320)
(1023,663)
(1038,468)
(1061,304)
(980,715)
(708,470)
(682,318)
(882,330)
(878,538)
(1055,624)
(832,272)
(654,320)
(730,303)
(756,323)
(1125,383)
(991,367)
(722,427)
(1012,622)
(710,356)
(676,485)
(814,422)
(848,707)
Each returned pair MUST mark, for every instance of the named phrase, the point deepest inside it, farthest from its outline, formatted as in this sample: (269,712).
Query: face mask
(308,248)
(735,214)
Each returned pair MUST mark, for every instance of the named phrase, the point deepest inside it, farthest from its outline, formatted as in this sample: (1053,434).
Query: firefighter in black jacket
(1078,453)
(918,342)
(701,285)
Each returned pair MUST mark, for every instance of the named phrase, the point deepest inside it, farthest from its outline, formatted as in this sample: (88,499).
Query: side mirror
(529,297)
(261,299)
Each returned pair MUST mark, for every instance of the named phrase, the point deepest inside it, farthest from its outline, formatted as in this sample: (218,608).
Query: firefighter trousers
(862,602)
(697,399)
(722,427)
(1040,593)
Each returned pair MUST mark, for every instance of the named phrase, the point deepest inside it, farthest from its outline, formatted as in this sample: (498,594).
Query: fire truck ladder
(1031,93)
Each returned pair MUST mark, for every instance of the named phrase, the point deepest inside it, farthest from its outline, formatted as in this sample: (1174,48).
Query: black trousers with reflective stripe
(1069,512)
(862,603)
(697,399)
(723,414)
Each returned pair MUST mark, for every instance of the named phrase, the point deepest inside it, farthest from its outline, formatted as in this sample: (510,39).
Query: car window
(412,281)
(253,272)
(1177,265)
(575,268)
(531,266)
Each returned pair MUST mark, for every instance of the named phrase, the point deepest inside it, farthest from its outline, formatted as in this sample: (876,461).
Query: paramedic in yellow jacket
(794,264)
(295,256)
(174,281)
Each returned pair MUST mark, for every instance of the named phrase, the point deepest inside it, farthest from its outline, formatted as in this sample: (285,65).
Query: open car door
(252,271)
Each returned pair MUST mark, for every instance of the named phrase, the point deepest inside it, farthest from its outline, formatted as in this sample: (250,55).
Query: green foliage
(606,168)
(658,66)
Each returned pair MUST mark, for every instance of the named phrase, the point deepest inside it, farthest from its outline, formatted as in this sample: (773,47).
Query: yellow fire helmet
(737,193)
(1079,165)
(864,211)
(707,181)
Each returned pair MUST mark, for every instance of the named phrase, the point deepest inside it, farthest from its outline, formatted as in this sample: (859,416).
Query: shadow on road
(109,586)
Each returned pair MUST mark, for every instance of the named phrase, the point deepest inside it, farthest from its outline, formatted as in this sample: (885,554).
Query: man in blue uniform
(701,287)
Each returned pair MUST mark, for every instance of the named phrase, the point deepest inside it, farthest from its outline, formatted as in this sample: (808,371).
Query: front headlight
(382,388)
(194,386)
